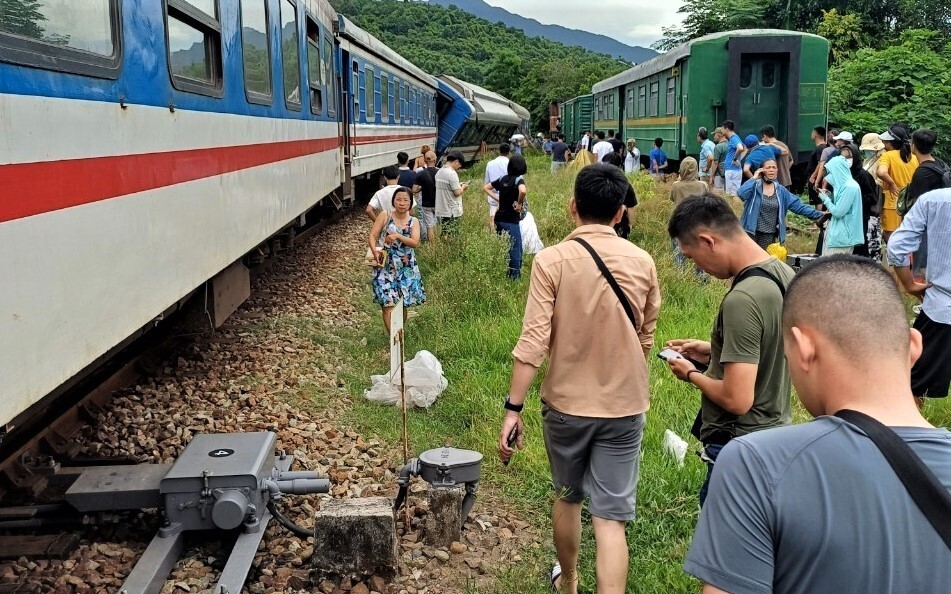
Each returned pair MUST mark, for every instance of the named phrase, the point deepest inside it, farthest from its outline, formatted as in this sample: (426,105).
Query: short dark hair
(924,140)
(391,171)
(839,278)
(658,142)
(517,165)
(400,190)
(728,124)
(613,158)
(505,148)
(768,131)
(820,130)
(617,135)
(600,134)
(402,158)
(600,190)
(561,137)
(702,133)
(611,133)
(706,211)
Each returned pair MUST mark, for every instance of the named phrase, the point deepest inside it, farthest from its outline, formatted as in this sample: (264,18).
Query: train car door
(761,95)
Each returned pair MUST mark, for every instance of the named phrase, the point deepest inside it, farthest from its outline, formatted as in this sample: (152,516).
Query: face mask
(849,163)
(766,180)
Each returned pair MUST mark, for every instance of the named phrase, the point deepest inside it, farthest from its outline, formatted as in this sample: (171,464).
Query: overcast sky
(634,22)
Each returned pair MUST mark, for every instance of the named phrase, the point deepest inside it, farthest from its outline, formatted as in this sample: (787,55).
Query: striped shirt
(928,220)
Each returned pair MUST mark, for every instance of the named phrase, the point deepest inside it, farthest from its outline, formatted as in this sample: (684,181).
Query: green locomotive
(755,77)
(576,118)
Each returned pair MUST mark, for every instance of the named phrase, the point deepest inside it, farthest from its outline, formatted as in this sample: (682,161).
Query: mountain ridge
(533,28)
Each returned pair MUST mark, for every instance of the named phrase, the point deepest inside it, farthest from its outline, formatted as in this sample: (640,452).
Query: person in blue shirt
(705,159)
(845,205)
(733,174)
(758,153)
(658,158)
(765,204)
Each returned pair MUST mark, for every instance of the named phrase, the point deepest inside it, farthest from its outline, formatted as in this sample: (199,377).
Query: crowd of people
(774,493)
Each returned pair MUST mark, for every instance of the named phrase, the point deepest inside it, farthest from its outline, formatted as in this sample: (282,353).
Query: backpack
(905,202)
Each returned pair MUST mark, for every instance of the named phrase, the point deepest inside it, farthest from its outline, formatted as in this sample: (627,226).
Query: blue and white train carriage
(147,147)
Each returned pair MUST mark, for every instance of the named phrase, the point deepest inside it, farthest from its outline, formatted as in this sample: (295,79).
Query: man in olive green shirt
(746,387)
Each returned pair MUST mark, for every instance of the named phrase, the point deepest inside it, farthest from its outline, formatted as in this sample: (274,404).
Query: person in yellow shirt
(895,169)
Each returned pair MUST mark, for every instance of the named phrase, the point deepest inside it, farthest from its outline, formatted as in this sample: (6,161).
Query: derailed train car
(147,148)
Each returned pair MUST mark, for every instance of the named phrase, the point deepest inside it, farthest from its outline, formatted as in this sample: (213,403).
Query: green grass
(471,322)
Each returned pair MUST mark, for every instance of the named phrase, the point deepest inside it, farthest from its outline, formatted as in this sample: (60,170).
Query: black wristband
(512,407)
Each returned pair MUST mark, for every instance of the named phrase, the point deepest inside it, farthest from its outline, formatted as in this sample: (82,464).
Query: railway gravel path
(262,372)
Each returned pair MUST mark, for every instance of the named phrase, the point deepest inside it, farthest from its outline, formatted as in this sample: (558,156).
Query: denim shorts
(595,457)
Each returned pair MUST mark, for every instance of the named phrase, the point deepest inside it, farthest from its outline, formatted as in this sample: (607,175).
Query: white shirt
(585,140)
(601,149)
(383,199)
(447,203)
(633,161)
(496,168)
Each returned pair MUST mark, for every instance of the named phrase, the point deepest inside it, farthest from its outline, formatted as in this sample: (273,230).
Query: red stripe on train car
(29,189)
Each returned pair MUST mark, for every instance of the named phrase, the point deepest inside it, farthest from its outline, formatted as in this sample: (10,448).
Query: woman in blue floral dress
(394,237)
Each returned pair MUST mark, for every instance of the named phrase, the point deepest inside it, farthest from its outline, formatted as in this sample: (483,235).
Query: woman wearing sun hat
(872,149)
(895,169)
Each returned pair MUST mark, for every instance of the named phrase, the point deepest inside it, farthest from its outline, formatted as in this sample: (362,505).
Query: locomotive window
(654,98)
(769,75)
(314,72)
(330,82)
(290,55)
(671,95)
(746,75)
(385,103)
(641,101)
(255,46)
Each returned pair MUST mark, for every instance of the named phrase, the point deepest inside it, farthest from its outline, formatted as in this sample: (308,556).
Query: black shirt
(617,144)
(507,187)
(558,151)
(426,180)
(407,178)
(929,176)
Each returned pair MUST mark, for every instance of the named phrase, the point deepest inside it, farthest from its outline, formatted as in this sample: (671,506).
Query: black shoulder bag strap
(610,278)
(931,497)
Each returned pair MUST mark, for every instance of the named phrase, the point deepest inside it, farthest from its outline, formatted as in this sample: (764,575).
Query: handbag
(371,258)
(931,497)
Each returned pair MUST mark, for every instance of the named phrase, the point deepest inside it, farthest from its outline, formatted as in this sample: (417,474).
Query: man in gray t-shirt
(815,508)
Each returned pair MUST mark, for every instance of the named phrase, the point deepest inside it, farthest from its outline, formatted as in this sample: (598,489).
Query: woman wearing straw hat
(872,149)
(895,169)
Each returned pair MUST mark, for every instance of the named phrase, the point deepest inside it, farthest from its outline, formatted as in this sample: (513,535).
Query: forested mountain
(592,41)
(529,70)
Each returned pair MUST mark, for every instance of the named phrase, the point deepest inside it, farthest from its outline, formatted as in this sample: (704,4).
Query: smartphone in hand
(668,354)
(512,438)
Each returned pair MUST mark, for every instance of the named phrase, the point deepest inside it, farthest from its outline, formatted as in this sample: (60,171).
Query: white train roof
(493,106)
(362,38)
(670,59)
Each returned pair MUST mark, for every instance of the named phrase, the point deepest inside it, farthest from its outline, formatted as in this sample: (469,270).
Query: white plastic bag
(675,446)
(424,382)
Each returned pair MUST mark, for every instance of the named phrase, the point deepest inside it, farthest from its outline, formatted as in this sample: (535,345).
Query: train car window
(399,102)
(355,90)
(385,103)
(629,106)
(746,75)
(314,72)
(671,95)
(642,101)
(654,98)
(371,93)
(769,75)
(330,81)
(255,49)
(597,108)
(290,55)
(60,35)
(194,47)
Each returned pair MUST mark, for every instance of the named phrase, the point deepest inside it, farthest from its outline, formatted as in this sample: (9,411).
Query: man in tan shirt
(595,393)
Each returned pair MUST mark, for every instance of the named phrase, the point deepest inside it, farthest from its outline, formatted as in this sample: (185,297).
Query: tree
(844,32)
(22,17)
(704,17)
(906,82)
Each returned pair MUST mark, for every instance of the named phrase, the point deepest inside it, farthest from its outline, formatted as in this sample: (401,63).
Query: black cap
(455,156)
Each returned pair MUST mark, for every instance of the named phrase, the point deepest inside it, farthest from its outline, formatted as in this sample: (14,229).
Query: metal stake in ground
(397,363)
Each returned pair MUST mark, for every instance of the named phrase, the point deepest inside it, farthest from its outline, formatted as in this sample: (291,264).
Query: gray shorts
(595,457)
(556,165)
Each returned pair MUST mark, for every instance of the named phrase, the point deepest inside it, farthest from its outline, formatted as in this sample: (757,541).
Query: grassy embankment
(471,322)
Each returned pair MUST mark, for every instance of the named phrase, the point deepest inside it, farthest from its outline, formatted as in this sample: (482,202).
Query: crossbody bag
(931,497)
(611,281)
